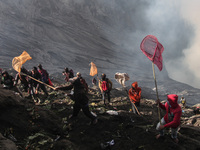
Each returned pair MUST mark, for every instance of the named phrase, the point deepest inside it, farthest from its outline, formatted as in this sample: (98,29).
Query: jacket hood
(135,85)
(172,99)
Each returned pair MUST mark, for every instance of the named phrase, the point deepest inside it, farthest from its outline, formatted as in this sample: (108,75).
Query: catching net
(93,69)
(153,50)
(17,62)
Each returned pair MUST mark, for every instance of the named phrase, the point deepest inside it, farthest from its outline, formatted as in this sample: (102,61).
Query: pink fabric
(153,50)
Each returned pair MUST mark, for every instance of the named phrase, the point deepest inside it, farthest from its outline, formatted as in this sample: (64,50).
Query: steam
(182,21)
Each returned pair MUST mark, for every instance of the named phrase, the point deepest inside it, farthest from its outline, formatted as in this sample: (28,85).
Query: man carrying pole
(153,50)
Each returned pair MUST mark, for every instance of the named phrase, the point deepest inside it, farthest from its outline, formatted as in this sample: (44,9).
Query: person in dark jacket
(23,79)
(44,74)
(172,118)
(8,82)
(80,98)
(35,74)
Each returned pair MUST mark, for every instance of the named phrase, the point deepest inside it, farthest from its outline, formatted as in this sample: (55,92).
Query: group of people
(172,118)
(31,81)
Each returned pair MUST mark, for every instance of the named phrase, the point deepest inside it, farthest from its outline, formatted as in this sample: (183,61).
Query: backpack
(105,85)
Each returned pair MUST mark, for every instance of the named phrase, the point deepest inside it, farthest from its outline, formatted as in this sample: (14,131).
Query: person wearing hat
(135,96)
(105,86)
(80,98)
(172,118)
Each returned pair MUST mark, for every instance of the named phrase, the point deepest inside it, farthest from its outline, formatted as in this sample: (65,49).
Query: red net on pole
(153,50)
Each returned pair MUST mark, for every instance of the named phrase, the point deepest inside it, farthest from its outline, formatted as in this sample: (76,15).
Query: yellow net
(93,69)
(17,62)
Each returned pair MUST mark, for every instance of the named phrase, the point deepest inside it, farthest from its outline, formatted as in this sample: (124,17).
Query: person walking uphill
(44,74)
(105,86)
(135,96)
(172,118)
(80,98)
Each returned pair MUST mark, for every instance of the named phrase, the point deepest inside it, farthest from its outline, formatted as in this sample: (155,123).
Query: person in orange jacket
(134,96)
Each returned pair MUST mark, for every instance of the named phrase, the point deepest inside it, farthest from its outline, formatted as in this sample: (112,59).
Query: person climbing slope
(172,118)
(135,96)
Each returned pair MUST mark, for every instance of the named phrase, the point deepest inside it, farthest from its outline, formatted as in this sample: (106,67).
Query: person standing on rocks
(135,96)
(183,101)
(172,118)
(44,74)
(80,98)
(105,86)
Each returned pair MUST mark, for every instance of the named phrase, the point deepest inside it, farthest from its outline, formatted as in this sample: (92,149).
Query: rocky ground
(45,125)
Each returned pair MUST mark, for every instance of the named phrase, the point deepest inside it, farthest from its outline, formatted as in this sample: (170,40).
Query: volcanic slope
(30,125)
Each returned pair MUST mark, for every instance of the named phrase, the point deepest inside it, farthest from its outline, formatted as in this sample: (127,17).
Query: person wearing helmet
(80,98)
(105,86)
(172,118)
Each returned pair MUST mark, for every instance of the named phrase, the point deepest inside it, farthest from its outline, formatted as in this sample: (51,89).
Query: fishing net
(17,62)
(93,69)
(153,50)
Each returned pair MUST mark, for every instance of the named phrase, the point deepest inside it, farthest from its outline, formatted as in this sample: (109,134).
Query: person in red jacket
(172,118)
(134,96)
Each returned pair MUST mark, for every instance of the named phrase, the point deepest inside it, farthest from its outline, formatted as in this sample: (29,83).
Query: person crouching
(172,118)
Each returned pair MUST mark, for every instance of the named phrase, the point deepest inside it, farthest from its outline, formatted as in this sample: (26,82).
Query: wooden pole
(38,80)
(154,75)
(131,102)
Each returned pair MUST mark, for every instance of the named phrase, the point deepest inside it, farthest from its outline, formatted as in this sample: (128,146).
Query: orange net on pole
(93,69)
(17,62)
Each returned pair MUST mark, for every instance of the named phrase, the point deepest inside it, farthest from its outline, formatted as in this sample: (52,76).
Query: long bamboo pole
(154,75)
(38,81)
